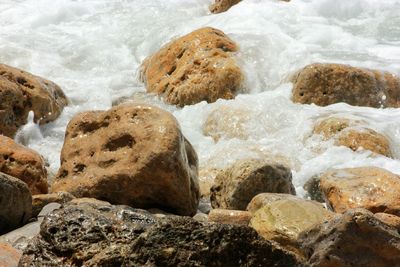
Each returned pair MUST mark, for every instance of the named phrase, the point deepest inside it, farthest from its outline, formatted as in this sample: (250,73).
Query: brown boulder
(356,238)
(389,219)
(193,68)
(235,187)
(238,217)
(371,188)
(39,201)
(325,84)
(132,154)
(15,203)
(23,163)
(222,5)
(9,256)
(21,92)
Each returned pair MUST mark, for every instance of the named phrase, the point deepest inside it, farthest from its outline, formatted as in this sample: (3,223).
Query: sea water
(93,50)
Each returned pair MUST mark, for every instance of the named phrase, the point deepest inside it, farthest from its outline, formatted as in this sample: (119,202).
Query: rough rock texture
(15,203)
(229,216)
(23,163)
(193,68)
(99,234)
(9,256)
(389,219)
(236,186)
(354,135)
(370,188)
(313,189)
(325,84)
(132,154)
(39,201)
(222,5)
(356,238)
(282,217)
(21,92)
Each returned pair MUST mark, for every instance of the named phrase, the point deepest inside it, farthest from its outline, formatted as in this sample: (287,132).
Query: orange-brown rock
(229,216)
(132,154)
(325,84)
(196,67)
(39,201)
(23,163)
(9,256)
(222,5)
(389,219)
(21,92)
(370,188)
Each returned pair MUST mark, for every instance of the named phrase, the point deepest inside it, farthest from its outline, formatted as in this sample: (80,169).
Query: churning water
(93,49)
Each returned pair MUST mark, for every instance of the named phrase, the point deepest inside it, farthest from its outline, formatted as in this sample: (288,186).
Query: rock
(201,217)
(132,154)
(222,5)
(23,163)
(356,238)
(236,186)
(21,92)
(331,126)
(9,256)
(238,217)
(325,84)
(313,189)
(389,219)
(196,67)
(282,217)
(39,201)
(371,188)
(89,233)
(15,203)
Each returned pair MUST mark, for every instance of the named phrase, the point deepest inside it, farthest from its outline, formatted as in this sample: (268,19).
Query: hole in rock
(79,168)
(119,142)
(172,70)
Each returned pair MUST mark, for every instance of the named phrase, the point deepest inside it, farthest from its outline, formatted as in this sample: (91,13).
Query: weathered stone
(15,203)
(325,84)
(9,256)
(229,216)
(236,186)
(23,163)
(313,190)
(39,201)
(222,5)
(21,92)
(389,219)
(282,217)
(132,154)
(194,68)
(370,188)
(331,126)
(356,238)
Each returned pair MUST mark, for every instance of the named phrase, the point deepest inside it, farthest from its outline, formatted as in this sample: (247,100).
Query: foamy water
(93,49)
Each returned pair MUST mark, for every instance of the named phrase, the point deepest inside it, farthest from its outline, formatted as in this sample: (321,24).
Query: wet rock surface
(39,201)
(325,84)
(238,217)
(356,238)
(23,163)
(370,188)
(21,92)
(15,203)
(235,187)
(222,5)
(196,67)
(132,154)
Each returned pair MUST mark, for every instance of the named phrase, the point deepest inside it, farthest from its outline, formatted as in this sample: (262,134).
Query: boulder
(39,201)
(222,5)
(132,154)
(236,186)
(371,188)
(21,92)
(23,163)
(313,190)
(15,203)
(389,219)
(9,256)
(282,217)
(196,67)
(356,238)
(325,84)
(238,217)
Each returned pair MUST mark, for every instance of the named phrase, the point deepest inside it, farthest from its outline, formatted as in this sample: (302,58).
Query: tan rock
(23,163)
(282,217)
(325,84)
(39,201)
(132,154)
(331,126)
(229,216)
(371,188)
(389,219)
(9,256)
(194,68)
(235,187)
(222,5)
(356,238)
(21,92)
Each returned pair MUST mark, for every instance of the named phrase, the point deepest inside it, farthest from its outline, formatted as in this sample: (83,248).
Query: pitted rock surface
(196,67)
(325,84)
(15,203)
(236,186)
(21,92)
(39,201)
(132,154)
(23,163)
